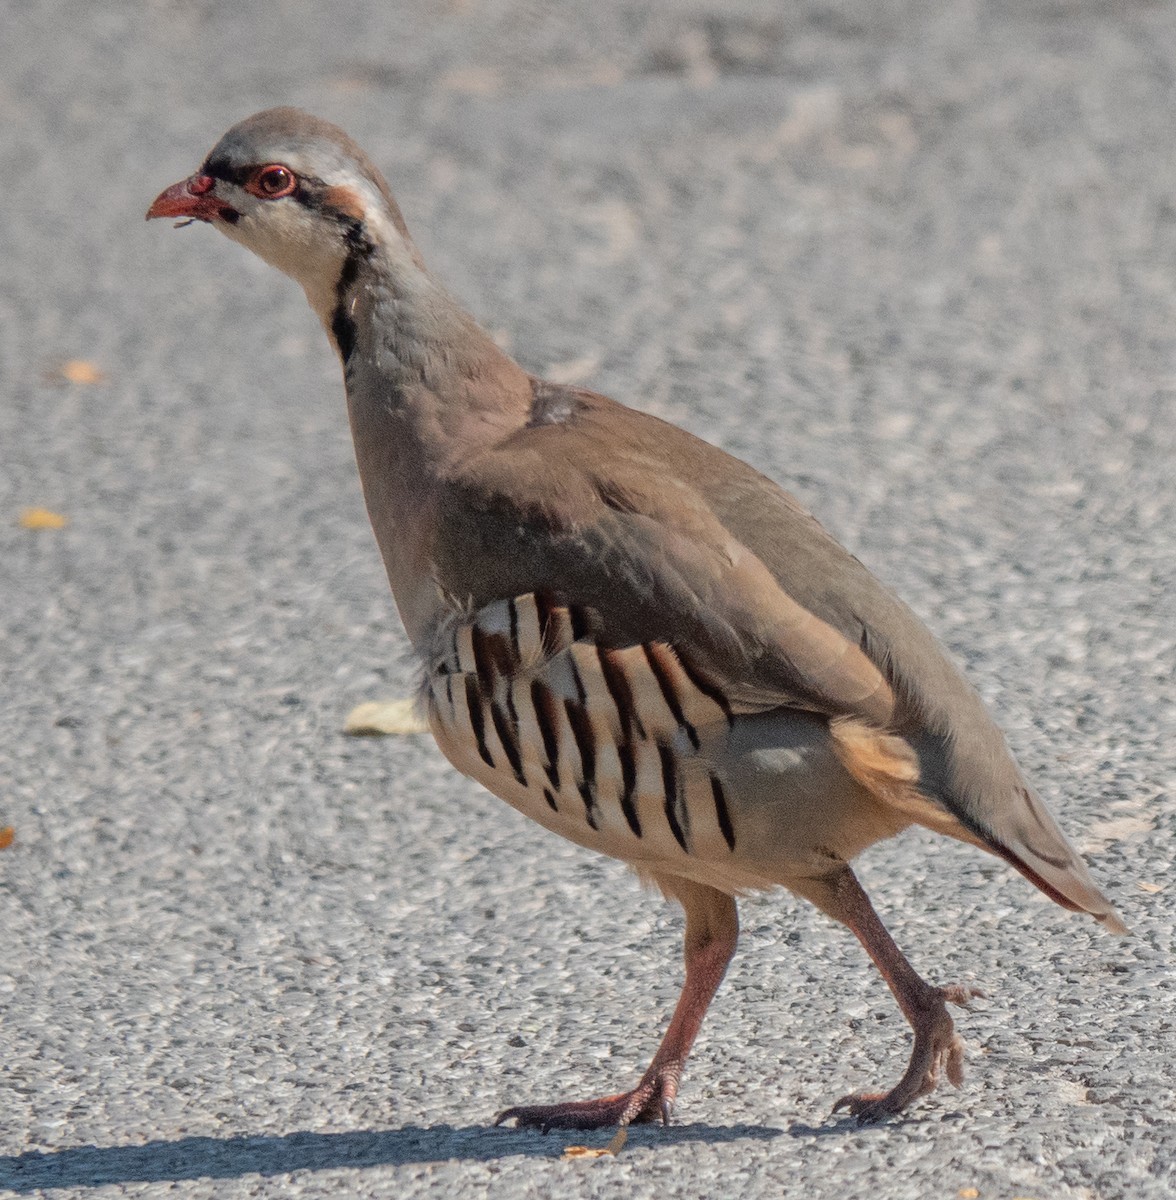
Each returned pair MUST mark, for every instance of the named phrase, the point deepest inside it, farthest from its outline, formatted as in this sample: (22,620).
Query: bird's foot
(651,1100)
(938,1049)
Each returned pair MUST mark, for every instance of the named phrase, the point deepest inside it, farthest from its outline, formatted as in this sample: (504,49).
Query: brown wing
(644,550)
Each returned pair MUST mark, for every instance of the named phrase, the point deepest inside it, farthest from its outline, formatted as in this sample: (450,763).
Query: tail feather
(970,771)
(1031,841)
(1072,888)
(1094,902)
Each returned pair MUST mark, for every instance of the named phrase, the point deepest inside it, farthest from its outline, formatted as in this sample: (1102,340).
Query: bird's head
(298,192)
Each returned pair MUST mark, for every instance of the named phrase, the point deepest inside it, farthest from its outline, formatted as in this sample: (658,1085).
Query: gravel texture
(916,260)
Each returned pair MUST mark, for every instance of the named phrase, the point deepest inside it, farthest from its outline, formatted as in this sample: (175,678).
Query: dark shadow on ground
(230,1158)
(842,1126)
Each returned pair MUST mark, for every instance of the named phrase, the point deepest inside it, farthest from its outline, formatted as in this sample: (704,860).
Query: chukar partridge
(630,636)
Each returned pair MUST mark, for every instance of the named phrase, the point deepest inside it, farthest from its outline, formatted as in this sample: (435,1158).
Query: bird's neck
(426,388)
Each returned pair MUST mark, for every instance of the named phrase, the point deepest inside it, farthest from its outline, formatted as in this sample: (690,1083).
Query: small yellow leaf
(77,370)
(382,717)
(1150,888)
(42,518)
(613,1148)
(968,1194)
(7,837)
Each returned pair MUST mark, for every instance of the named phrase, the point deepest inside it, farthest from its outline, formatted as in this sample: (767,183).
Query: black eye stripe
(227,173)
(307,188)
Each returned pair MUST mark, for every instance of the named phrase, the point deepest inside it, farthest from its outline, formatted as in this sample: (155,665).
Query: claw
(938,1049)
(651,1099)
(712,927)
(511,1114)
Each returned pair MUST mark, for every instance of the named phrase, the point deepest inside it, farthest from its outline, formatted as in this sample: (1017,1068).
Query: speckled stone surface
(915,260)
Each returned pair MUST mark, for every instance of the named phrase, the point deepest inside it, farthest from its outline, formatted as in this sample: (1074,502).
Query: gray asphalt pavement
(915,260)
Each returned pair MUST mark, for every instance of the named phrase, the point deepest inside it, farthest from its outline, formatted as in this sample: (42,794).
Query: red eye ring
(272,182)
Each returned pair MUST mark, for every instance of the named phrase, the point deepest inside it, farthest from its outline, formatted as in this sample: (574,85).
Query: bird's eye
(272,182)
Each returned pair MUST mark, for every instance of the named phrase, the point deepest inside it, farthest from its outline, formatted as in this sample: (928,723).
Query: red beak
(192,199)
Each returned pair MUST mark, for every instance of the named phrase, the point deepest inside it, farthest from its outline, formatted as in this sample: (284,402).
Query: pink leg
(712,929)
(938,1048)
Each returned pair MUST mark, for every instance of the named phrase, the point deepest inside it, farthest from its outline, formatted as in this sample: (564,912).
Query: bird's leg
(712,929)
(938,1048)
